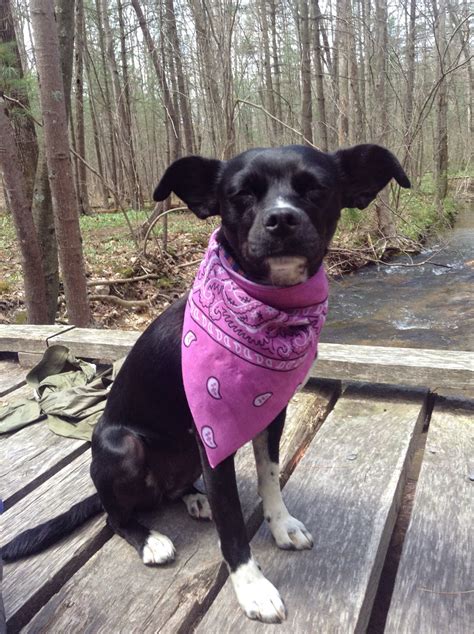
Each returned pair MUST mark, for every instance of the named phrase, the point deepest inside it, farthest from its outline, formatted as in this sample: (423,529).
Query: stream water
(423,306)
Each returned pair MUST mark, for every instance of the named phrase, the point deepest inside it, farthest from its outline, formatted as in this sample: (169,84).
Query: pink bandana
(246,349)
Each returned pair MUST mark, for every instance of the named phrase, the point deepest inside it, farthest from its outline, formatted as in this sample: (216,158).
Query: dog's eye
(242,196)
(313,194)
(306,186)
(310,193)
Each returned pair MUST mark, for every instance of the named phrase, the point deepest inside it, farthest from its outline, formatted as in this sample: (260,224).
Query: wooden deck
(351,453)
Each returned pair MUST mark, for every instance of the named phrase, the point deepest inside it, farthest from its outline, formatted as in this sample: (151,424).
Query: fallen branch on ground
(123,280)
(113,299)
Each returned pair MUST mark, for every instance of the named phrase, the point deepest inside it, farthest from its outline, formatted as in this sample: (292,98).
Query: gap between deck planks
(114,591)
(347,490)
(434,587)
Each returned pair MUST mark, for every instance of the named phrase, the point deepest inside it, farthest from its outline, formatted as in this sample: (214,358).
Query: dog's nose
(283,220)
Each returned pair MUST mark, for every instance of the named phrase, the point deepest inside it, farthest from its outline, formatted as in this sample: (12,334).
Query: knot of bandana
(246,349)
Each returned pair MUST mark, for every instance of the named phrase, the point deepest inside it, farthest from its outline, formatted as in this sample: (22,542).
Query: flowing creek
(423,306)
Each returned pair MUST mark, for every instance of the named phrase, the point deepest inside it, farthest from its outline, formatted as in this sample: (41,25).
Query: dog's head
(280,206)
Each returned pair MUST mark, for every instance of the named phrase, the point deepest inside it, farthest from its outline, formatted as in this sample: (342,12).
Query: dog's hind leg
(119,471)
(288,532)
(197,504)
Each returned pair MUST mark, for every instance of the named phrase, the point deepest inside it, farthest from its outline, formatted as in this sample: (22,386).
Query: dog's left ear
(364,170)
(194,179)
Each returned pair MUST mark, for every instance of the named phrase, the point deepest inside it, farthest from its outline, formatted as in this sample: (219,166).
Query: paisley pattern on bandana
(246,348)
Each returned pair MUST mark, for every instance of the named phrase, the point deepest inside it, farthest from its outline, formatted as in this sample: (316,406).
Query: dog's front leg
(258,598)
(289,533)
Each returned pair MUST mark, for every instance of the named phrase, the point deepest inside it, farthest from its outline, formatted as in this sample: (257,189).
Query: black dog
(279,210)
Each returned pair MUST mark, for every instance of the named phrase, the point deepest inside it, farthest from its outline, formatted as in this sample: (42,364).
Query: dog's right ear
(194,179)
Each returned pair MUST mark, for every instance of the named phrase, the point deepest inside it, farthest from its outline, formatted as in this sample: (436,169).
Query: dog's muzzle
(287,270)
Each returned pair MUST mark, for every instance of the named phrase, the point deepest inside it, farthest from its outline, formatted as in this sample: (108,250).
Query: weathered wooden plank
(27,582)
(434,588)
(115,592)
(31,455)
(403,366)
(29,359)
(28,338)
(346,490)
(97,344)
(376,364)
(24,391)
(12,376)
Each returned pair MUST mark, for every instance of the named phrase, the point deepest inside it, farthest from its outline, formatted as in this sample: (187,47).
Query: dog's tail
(34,540)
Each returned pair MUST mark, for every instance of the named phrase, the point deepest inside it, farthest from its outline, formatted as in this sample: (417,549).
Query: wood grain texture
(115,592)
(397,366)
(346,490)
(26,581)
(29,359)
(28,338)
(24,391)
(29,455)
(93,344)
(12,376)
(434,589)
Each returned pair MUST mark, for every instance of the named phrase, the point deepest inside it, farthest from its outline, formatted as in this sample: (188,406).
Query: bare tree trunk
(209,77)
(53,106)
(168,66)
(136,189)
(170,114)
(108,106)
(342,70)
(35,171)
(464,34)
(356,125)
(84,206)
(95,131)
(306,107)
(408,162)
(318,66)
(120,121)
(214,30)
(441,133)
(183,93)
(384,213)
(267,66)
(35,291)
(361,30)
(276,67)
(25,134)
(44,222)
(42,206)
(83,193)
(64,12)
(98,152)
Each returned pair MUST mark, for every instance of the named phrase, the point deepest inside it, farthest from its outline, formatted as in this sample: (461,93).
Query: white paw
(198,506)
(158,549)
(290,533)
(258,598)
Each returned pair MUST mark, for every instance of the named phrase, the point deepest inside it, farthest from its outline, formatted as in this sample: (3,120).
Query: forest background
(129,86)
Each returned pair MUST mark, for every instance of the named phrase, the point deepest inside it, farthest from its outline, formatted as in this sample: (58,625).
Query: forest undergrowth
(115,259)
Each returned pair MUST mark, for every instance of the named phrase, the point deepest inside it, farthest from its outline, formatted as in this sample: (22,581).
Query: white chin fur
(287,270)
